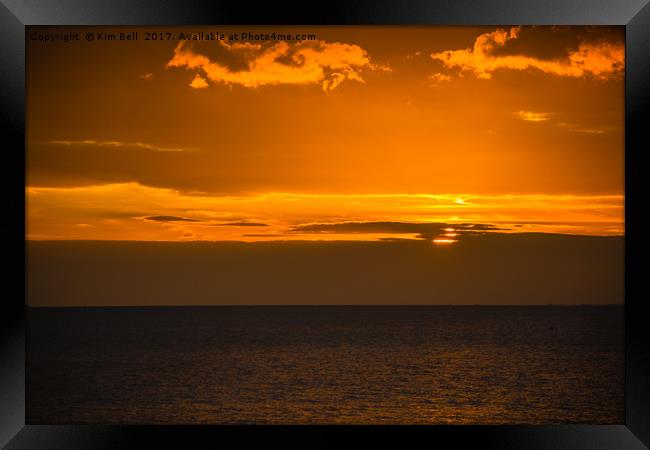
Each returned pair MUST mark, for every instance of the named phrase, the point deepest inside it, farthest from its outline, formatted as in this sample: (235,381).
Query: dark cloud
(171,219)
(424,230)
(553,42)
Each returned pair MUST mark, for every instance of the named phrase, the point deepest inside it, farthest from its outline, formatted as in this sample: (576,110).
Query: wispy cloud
(413,55)
(242,224)
(601,60)
(588,130)
(116,144)
(313,62)
(171,219)
(530,116)
(438,78)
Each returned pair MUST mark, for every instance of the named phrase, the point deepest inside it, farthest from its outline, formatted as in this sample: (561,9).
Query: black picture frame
(16,14)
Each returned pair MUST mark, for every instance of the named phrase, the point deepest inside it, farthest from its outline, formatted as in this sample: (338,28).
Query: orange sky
(517,129)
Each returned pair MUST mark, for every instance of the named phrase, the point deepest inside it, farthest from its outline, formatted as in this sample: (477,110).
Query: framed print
(410,219)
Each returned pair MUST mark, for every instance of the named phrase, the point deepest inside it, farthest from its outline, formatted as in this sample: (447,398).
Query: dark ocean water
(429,365)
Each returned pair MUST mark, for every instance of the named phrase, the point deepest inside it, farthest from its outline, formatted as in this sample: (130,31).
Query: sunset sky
(365,133)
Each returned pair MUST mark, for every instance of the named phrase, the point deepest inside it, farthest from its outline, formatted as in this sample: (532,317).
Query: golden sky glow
(363,133)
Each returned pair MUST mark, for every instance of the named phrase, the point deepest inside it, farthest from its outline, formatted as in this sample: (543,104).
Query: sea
(326,365)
